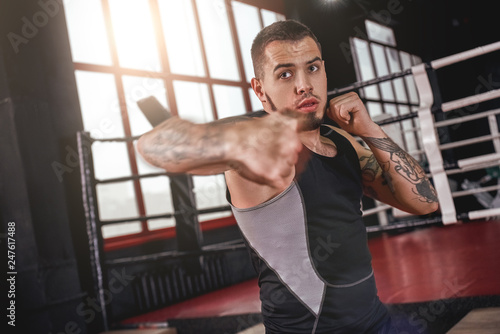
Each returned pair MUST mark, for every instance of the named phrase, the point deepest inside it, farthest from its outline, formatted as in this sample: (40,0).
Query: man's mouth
(308,105)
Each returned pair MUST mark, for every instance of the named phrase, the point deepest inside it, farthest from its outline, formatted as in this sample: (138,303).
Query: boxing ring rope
(431,144)
(100,265)
(93,229)
(439,171)
(433,148)
(449,60)
(89,181)
(362,84)
(470,100)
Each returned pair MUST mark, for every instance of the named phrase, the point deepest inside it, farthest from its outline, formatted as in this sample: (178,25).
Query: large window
(378,57)
(192,55)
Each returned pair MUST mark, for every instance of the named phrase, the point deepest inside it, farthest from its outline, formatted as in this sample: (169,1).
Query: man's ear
(258,89)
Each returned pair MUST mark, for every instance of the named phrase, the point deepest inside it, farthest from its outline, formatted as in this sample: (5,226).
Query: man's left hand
(349,112)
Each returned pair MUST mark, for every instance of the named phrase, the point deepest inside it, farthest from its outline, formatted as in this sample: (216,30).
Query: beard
(308,122)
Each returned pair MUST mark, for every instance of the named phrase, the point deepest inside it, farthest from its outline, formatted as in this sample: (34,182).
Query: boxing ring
(429,106)
(206,260)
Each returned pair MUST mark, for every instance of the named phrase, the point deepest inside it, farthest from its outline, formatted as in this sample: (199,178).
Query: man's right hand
(265,150)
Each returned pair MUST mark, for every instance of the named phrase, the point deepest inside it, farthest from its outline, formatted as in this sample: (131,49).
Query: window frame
(412,106)
(168,79)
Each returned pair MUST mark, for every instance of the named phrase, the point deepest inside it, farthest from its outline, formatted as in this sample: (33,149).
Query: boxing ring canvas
(429,279)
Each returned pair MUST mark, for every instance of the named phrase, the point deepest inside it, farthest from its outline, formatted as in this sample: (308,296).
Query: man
(295,186)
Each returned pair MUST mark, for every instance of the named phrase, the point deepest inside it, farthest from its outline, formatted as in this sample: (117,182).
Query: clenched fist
(351,115)
(266,149)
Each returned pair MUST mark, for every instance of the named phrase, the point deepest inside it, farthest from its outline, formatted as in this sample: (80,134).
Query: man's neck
(318,144)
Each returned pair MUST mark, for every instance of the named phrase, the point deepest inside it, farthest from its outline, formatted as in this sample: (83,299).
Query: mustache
(307,96)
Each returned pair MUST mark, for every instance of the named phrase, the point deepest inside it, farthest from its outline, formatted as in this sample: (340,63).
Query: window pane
(134,34)
(217,39)
(411,143)
(99,104)
(379,33)
(193,101)
(101,117)
(210,191)
(374,109)
(405,60)
(395,66)
(393,129)
(390,109)
(137,88)
(382,69)
(416,122)
(116,230)
(269,17)
(181,37)
(89,42)
(110,160)
(248,26)
(410,84)
(403,110)
(229,101)
(156,224)
(416,60)
(412,89)
(365,66)
(254,100)
(116,200)
(157,200)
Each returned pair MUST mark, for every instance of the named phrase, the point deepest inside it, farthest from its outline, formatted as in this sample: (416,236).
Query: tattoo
(426,190)
(406,166)
(175,142)
(371,167)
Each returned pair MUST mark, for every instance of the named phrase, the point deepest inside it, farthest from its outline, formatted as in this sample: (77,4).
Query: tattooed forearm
(405,165)
(175,141)
(179,145)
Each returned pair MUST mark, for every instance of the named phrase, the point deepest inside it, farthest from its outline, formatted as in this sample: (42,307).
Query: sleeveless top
(309,248)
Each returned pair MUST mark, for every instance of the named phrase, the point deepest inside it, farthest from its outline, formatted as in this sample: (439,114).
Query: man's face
(294,78)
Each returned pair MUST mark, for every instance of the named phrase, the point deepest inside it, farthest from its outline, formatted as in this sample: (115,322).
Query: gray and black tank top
(309,248)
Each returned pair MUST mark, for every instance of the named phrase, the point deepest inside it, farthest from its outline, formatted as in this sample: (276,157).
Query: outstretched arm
(262,150)
(389,173)
(180,146)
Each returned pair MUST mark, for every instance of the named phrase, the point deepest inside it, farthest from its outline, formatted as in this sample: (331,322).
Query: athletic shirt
(309,248)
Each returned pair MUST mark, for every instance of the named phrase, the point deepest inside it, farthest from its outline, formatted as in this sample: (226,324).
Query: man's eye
(285,75)
(313,68)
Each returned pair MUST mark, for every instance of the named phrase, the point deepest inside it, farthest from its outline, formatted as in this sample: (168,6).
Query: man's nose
(303,84)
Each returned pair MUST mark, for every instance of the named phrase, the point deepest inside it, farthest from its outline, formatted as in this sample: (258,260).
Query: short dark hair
(289,30)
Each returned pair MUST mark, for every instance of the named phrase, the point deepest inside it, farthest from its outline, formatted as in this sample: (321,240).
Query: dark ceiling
(428,28)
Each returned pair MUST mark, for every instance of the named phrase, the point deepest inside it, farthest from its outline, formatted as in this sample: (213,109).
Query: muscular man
(295,186)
